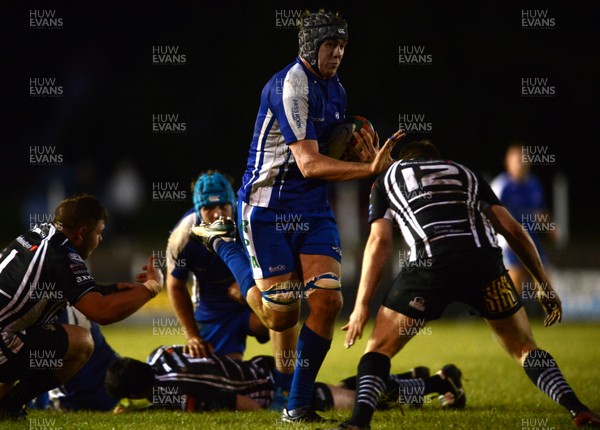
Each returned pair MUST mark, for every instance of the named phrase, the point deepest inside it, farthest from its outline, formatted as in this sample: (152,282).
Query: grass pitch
(499,395)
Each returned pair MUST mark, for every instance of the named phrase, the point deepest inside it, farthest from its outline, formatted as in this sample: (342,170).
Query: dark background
(471,93)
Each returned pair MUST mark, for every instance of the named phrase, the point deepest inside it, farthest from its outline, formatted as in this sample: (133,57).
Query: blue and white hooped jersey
(295,105)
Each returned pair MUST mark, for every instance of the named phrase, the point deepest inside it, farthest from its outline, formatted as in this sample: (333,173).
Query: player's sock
(373,371)
(28,388)
(310,353)
(433,384)
(237,261)
(283,380)
(405,375)
(545,374)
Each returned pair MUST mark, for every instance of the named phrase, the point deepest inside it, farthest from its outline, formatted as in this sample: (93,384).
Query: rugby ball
(341,144)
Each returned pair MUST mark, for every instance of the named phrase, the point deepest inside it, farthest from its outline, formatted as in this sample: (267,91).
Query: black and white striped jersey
(203,377)
(40,272)
(437,205)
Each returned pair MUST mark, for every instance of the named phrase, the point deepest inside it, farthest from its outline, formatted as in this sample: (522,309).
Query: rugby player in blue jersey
(287,178)
(220,321)
(523,195)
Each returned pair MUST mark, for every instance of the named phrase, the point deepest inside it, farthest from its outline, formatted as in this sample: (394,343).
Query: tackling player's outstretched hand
(197,347)
(151,277)
(384,159)
(150,271)
(356,325)
(549,300)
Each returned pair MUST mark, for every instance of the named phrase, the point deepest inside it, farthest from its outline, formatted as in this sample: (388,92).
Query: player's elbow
(101,319)
(380,243)
(106,314)
(308,166)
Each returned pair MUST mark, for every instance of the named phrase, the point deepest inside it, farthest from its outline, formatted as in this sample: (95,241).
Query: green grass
(499,394)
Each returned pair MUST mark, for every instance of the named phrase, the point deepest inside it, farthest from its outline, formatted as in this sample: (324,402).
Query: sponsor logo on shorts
(418,303)
(278,268)
(337,250)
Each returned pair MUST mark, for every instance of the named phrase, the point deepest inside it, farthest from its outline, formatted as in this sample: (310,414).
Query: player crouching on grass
(40,272)
(174,379)
(449,217)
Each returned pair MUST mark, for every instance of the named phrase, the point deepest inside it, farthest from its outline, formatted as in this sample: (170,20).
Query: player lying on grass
(40,272)
(449,217)
(175,380)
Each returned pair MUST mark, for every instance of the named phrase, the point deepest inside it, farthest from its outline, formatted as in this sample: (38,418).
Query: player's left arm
(522,244)
(376,256)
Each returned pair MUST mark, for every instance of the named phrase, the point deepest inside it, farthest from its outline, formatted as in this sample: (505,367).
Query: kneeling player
(40,272)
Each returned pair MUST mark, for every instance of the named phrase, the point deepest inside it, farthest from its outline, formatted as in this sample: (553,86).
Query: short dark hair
(419,149)
(127,377)
(78,211)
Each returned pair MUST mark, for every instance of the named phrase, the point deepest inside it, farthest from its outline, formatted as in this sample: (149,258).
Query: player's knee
(324,294)
(81,343)
(521,352)
(325,282)
(326,304)
(282,297)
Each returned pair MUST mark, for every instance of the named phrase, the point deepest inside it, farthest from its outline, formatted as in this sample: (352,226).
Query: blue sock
(283,380)
(236,259)
(311,352)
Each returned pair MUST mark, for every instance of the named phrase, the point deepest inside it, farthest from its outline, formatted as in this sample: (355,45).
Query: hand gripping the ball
(383,158)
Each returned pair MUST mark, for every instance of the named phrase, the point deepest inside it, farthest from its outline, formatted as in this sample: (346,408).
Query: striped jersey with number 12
(437,204)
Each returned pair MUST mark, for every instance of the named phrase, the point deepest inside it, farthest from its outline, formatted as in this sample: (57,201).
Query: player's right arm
(375,259)
(522,244)
(182,305)
(129,297)
(314,165)
(292,109)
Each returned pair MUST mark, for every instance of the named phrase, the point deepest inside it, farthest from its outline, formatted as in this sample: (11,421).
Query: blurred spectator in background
(522,194)
(124,195)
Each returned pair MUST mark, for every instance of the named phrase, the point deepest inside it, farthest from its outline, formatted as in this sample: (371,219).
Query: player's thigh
(514,334)
(319,250)
(38,348)
(392,331)
(268,247)
(319,246)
